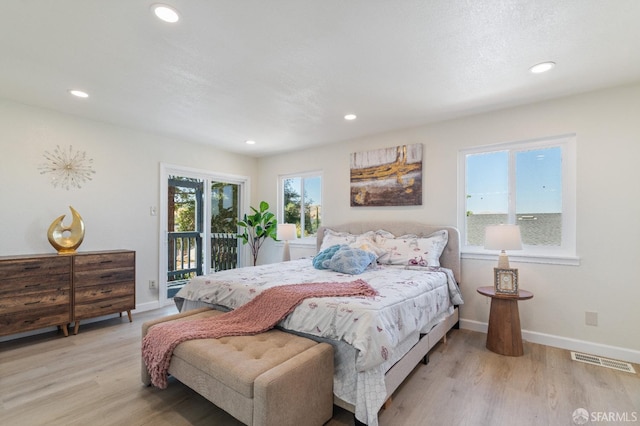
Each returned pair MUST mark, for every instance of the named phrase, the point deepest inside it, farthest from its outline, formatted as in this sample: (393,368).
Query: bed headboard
(450,256)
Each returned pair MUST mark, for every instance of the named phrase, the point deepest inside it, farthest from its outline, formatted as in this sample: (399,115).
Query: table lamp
(502,237)
(286,232)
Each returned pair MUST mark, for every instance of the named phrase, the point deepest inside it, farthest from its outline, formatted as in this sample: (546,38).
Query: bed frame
(450,259)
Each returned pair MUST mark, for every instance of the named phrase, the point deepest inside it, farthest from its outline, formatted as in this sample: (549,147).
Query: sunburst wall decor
(68,169)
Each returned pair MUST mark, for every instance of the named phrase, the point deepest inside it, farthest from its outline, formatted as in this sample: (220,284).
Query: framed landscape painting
(387,177)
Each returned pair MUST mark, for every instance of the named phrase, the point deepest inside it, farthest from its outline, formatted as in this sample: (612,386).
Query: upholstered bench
(273,378)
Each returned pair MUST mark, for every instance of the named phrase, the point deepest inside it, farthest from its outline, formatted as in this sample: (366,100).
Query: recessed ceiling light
(542,67)
(350,117)
(79,93)
(165,13)
(250,142)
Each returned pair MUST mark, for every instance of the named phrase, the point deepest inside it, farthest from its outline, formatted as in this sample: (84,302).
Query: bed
(378,341)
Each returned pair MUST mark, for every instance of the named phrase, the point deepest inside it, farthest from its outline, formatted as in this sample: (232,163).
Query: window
(301,202)
(531,184)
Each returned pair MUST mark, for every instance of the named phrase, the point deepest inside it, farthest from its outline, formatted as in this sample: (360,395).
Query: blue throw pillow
(324,255)
(350,260)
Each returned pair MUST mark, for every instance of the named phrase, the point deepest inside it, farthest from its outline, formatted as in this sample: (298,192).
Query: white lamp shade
(286,232)
(502,237)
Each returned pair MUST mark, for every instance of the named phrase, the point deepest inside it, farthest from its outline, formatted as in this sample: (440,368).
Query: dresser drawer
(104,307)
(40,300)
(33,319)
(104,276)
(103,261)
(33,284)
(34,274)
(34,267)
(100,292)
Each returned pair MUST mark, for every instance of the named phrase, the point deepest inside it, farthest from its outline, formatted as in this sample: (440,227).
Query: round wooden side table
(504,335)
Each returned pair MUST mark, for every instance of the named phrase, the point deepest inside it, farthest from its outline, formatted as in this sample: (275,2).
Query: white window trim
(566,253)
(305,241)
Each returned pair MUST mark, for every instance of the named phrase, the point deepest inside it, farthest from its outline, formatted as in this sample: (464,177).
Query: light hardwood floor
(93,378)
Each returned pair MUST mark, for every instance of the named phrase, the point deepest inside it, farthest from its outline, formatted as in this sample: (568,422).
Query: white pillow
(366,241)
(332,238)
(413,250)
(368,244)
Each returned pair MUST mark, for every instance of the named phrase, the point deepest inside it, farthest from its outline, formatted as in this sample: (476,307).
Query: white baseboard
(149,306)
(614,352)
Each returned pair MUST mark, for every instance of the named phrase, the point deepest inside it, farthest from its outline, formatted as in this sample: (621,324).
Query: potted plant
(256,228)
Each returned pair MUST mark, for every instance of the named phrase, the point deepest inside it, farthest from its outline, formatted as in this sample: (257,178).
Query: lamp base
(286,255)
(503,260)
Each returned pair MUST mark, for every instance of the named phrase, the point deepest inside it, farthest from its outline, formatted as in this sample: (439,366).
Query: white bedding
(411,301)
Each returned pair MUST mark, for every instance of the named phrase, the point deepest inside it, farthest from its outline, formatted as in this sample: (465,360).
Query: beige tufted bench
(269,379)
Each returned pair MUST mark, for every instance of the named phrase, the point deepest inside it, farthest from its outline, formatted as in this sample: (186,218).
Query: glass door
(185,213)
(200,213)
(225,203)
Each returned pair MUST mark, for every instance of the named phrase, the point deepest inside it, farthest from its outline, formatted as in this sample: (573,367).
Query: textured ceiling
(285,72)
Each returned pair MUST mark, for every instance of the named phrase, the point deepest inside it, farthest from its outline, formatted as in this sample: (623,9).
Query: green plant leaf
(256,227)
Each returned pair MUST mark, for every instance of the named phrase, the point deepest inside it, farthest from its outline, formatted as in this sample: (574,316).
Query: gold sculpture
(66,239)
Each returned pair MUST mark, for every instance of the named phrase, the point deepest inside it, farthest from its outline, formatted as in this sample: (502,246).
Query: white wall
(114,205)
(608,212)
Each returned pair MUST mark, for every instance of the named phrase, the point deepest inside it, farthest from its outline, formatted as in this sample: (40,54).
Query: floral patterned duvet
(409,301)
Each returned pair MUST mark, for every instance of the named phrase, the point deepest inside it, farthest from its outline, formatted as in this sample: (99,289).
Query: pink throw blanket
(258,315)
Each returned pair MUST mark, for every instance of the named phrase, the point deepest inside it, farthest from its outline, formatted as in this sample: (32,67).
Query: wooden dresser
(38,291)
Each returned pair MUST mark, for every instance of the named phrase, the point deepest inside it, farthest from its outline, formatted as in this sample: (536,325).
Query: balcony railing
(185,255)
(224,251)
